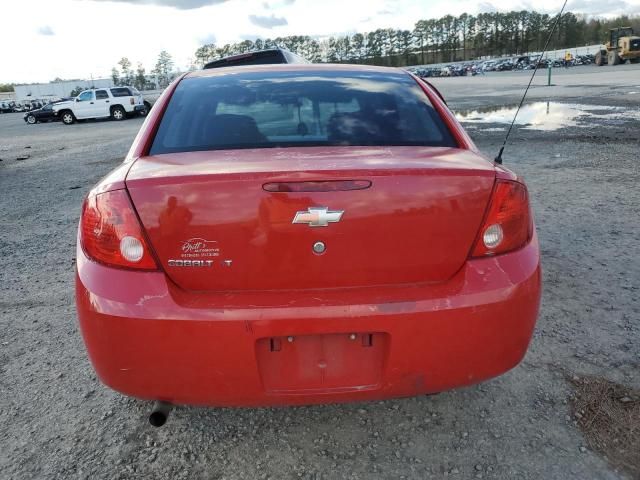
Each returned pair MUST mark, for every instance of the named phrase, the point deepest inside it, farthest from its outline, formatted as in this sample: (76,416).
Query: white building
(56,90)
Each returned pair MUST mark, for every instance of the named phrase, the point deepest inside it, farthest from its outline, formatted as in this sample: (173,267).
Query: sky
(45,39)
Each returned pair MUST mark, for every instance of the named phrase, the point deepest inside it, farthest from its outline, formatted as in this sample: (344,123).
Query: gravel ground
(58,421)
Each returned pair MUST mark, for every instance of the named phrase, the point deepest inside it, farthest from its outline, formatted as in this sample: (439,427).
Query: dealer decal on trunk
(199,247)
(192,252)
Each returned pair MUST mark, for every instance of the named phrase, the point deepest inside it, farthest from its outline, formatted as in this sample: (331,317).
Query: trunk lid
(223,220)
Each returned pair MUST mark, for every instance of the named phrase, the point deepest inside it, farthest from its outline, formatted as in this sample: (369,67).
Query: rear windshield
(294,109)
(120,92)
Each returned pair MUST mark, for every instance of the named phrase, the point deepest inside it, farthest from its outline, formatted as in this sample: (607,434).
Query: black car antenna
(498,159)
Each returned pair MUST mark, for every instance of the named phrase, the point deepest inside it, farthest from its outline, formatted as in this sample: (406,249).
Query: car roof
(297,67)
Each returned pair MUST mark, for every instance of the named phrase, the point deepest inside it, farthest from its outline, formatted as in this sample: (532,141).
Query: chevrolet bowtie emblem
(318,216)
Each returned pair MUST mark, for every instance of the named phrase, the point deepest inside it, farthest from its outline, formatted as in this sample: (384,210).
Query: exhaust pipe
(160,413)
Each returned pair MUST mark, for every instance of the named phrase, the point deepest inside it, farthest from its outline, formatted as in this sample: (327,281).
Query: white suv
(115,102)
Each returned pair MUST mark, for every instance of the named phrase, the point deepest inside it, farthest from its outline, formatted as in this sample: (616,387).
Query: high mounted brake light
(507,225)
(110,232)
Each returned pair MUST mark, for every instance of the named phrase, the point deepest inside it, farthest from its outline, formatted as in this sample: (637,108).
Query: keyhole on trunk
(319,248)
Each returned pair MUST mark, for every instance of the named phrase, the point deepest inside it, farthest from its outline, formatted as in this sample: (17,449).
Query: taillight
(132,101)
(110,232)
(507,225)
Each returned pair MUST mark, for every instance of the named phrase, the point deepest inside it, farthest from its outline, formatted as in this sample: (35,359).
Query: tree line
(444,39)
(162,73)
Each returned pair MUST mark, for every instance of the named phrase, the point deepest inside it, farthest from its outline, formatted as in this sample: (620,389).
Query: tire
(31,120)
(67,117)
(600,59)
(118,113)
(614,59)
(147,108)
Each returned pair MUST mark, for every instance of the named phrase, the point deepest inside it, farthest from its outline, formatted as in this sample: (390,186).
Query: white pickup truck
(114,102)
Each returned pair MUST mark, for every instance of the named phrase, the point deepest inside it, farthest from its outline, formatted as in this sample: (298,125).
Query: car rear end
(130,99)
(294,235)
(137,100)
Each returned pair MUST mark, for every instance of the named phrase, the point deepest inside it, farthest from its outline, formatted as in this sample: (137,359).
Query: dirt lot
(58,421)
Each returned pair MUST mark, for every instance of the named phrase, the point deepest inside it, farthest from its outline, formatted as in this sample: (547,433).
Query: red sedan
(297,234)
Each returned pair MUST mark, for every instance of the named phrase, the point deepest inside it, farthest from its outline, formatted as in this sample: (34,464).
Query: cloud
(276,5)
(486,7)
(596,7)
(207,39)
(45,30)
(179,4)
(268,22)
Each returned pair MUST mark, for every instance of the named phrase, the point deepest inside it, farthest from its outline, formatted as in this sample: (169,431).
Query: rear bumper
(148,339)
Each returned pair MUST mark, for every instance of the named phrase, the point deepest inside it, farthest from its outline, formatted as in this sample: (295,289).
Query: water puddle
(548,115)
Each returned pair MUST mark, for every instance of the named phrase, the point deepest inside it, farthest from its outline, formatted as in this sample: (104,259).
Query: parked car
(489,66)
(504,65)
(6,107)
(302,234)
(425,73)
(44,114)
(259,57)
(115,102)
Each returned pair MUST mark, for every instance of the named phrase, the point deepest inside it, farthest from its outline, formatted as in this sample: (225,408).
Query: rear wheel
(118,113)
(67,117)
(31,120)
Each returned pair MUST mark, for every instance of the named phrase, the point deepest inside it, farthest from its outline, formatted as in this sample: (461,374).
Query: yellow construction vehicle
(623,45)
